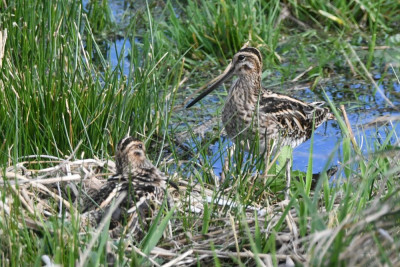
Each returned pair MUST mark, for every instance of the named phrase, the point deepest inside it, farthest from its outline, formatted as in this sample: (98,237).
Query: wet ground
(362,101)
(327,138)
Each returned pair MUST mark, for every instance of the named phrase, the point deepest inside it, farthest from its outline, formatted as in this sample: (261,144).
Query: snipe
(143,185)
(251,110)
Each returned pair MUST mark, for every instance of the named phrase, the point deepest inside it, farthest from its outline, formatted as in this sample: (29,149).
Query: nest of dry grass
(230,234)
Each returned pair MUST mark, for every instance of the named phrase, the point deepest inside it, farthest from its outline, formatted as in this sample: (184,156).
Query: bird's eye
(241,57)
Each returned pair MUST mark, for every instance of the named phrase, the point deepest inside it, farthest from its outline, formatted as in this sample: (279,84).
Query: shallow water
(361,100)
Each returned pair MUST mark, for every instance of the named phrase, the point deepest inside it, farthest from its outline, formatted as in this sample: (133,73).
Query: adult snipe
(142,185)
(251,110)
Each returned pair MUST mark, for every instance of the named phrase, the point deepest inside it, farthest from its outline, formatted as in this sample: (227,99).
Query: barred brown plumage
(251,110)
(144,184)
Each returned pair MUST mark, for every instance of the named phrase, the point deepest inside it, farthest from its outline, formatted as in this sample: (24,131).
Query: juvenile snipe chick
(143,184)
(251,110)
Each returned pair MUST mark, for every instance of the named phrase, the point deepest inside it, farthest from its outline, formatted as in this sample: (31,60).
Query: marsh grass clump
(70,88)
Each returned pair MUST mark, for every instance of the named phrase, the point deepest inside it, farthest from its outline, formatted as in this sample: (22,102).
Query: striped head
(130,154)
(247,61)
(247,64)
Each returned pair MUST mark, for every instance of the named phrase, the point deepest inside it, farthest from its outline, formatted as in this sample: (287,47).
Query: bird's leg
(270,145)
(225,169)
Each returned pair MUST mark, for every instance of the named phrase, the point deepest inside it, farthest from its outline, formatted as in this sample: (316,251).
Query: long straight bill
(215,84)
